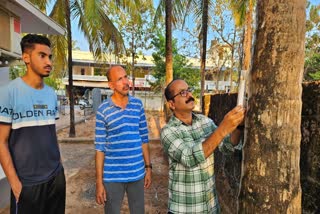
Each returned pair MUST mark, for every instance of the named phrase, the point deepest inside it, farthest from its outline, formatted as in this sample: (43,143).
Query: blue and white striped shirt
(120,134)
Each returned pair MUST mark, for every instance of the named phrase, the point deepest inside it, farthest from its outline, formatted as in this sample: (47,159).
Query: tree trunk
(247,38)
(72,131)
(204,31)
(132,63)
(247,45)
(169,60)
(232,59)
(271,175)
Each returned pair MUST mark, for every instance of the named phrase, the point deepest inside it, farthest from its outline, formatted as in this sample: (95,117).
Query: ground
(79,164)
(78,160)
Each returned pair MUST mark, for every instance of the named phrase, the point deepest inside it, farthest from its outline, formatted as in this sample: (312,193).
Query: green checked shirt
(191,176)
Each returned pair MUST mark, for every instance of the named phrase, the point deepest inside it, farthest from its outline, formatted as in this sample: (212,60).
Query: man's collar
(177,122)
(112,103)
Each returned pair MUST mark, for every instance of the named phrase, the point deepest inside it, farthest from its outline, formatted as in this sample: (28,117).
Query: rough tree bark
(72,130)
(169,58)
(270,174)
(203,45)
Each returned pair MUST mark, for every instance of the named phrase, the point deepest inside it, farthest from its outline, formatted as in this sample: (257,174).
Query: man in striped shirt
(122,151)
(190,139)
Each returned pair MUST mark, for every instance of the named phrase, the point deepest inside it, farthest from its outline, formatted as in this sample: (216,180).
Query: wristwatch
(148,166)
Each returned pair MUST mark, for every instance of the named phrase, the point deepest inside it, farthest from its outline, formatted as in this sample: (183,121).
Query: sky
(81,40)
(83,44)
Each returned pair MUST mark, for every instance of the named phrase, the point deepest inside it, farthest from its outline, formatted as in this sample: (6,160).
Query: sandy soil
(78,161)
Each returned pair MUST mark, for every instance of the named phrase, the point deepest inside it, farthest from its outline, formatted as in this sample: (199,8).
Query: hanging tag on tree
(242,89)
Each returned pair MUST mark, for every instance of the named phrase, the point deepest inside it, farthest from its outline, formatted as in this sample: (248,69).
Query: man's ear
(110,85)
(171,104)
(26,58)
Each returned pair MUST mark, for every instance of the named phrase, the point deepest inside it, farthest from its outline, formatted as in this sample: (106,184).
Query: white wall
(4,75)
(4,78)
(150,100)
(1,173)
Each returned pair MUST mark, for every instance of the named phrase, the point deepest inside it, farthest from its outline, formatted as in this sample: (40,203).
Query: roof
(82,57)
(31,18)
(102,81)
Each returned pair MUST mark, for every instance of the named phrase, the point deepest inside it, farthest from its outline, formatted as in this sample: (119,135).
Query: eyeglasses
(183,93)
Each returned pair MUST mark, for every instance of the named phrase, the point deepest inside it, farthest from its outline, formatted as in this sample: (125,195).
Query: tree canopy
(182,68)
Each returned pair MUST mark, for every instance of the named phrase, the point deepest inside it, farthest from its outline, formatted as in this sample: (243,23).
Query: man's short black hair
(168,93)
(29,40)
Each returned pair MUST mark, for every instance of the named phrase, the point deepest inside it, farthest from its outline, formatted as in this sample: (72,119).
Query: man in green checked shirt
(190,139)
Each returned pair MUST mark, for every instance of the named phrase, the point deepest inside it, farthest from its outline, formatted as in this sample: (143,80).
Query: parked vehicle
(65,101)
(84,103)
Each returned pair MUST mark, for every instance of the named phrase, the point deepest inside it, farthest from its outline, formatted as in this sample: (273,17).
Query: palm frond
(159,13)
(97,27)
(58,13)
(59,47)
(239,10)
(41,4)
(111,34)
(179,10)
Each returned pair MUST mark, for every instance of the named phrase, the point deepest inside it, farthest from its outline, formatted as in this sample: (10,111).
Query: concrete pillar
(96,98)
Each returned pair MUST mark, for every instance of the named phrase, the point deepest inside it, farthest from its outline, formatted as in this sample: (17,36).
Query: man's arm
(143,129)
(229,123)
(190,156)
(235,137)
(146,157)
(6,161)
(100,141)
(101,195)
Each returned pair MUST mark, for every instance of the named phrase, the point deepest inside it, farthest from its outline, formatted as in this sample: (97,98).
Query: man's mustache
(190,99)
(126,87)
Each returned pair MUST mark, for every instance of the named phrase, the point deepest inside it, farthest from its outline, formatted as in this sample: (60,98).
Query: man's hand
(16,189)
(147,178)
(101,194)
(231,120)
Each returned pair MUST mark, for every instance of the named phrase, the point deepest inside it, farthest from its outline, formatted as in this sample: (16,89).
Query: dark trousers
(46,198)
(115,194)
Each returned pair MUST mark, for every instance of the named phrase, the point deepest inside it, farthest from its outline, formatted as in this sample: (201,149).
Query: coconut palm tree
(270,180)
(169,61)
(200,8)
(203,51)
(136,29)
(93,22)
(173,11)
(243,12)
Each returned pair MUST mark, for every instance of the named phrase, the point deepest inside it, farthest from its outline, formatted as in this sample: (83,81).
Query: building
(16,17)
(89,73)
